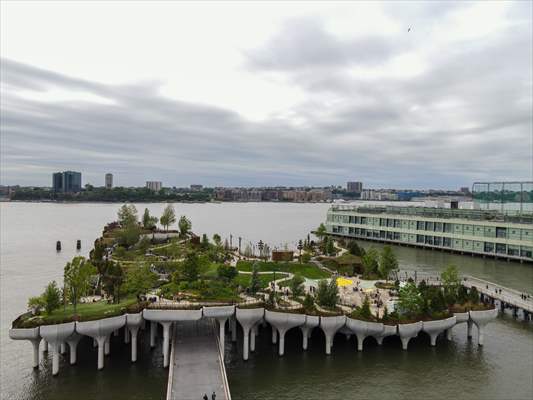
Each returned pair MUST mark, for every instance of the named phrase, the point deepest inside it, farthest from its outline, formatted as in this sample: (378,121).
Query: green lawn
(85,311)
(245,279)
(310,271)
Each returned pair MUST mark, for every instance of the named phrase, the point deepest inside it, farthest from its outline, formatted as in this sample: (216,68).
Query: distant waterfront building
(196,188)
(66,182)
(482,232)
(109,181)
(354,187)
(371,194)
(154,185)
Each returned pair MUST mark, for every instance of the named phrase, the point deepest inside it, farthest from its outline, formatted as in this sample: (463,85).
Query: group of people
(213,396)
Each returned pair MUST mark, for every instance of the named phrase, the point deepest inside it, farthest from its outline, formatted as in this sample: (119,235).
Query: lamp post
(300,247)
(260,246)
(240,239)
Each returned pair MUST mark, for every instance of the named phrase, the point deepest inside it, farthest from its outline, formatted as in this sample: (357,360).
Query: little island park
(138,272)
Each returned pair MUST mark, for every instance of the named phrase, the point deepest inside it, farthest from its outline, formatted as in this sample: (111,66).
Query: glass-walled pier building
(482,232)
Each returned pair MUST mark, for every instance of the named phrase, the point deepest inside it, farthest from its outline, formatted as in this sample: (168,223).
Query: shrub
(227,272)
(296,286)
(327,293)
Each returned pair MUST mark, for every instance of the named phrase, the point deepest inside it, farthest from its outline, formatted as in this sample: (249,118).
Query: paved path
(197,368)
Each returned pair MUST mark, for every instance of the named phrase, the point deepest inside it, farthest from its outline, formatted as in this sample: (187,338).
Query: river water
(502,369)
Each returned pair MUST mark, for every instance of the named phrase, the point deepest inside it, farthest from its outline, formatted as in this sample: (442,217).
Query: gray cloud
(467,116)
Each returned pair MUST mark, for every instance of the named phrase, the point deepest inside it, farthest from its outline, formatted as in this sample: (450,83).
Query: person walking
(205,397)
(213,396)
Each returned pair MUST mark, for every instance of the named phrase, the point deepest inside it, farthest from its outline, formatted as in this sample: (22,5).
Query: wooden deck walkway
(197,366)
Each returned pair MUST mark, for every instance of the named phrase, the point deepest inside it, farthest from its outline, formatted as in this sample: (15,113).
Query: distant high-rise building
(196,188)
(67,181)
(109,181)
(354,187)
(154,185)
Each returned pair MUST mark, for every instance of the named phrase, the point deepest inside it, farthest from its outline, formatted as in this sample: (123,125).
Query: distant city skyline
(268,94)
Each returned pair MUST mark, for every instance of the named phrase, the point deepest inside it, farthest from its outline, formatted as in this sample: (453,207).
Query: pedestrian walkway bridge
(197,364)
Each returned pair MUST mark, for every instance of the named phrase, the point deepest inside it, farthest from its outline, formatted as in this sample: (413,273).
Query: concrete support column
(360,340)
(245,345)
(405,342)
(329,340)
(469,324)
(107,345)
(166,342)
(134,332)
(233,329)
(45,346)
(222,334)
(35,343)
(305,336)
(63,348)
(480,332)
(274,334)
(252,338)
(95,343)
(449,334)
(126,335)
(153,333)
(73,341)
(281,349)
(379,339)
(54,347)
(101,340)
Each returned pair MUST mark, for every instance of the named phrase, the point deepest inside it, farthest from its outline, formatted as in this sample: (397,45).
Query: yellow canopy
(344,282)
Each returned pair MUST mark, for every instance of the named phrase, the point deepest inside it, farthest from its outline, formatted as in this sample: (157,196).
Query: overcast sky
(257,94)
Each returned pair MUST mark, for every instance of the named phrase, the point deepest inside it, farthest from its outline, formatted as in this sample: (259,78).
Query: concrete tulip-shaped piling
(459,319)
(434,328)
(330,326)
(153,333)
(101,330)
(409,331)
(221,314)
(481,319)
(55,335)
(362,329)
(166,318)
(72,342)
(388,330)
(32,335)
(248,317)
(311,322)
(282,322)
(133,324)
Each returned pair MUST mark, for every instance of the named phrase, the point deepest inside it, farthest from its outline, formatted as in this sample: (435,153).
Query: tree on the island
(205,242)
(473,295)
(297,286)
(184,225)
(321,231)
(140,279)
(77,274)
(127,215)
(388,263)
(255,284)
(36,304)
(149,221)
(450,283)
(51,297)
(113,280)
(327,294)
(129,235)
(354,249)
(364,311)
(190,267)
(309,302)
(168,217)
(96,255)
(217,239)
(370,261)
(409,300)
(330,247)
(227,272)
